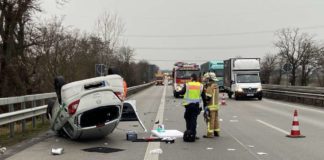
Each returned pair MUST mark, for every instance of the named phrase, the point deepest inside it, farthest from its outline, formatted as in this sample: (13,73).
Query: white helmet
(211,76)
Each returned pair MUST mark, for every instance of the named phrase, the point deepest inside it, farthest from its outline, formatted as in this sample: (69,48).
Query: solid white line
(294,106)
(159,117)
(273,127)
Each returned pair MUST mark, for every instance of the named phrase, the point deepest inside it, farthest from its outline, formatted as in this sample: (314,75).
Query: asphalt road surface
(250,130)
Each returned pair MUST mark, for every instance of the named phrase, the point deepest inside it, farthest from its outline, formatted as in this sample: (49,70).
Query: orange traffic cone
(295,132)
(223,100)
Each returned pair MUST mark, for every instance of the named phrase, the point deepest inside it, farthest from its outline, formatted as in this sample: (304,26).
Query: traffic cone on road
(223,100)
(295,132)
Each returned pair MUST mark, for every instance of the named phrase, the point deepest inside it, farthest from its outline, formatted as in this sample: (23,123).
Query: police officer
(211,108)
(193,93)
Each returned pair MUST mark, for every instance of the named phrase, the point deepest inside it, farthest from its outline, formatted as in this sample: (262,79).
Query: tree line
(301,52)
(33,53)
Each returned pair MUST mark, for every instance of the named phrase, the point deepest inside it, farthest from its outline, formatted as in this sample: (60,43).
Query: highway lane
(250,129)
(147,105)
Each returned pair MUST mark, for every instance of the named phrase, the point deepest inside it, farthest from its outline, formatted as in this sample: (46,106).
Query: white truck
(242,79)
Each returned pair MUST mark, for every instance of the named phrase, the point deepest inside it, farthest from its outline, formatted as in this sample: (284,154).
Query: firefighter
(211,108)
(193,93)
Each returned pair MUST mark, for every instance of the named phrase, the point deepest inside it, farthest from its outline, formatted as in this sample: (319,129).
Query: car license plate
(250,95)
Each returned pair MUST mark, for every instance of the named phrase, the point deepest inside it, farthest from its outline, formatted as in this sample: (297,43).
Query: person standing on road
(211,108)
(193,93)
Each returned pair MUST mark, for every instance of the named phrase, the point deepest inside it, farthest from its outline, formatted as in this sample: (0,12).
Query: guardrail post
(11,125)
(34,118)
(43,116)
(23,122)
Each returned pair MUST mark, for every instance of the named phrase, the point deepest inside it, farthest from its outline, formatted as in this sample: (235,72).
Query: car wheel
(229,95)
(260,98)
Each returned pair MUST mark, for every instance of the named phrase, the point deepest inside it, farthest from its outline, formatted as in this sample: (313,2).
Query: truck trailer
(242,78)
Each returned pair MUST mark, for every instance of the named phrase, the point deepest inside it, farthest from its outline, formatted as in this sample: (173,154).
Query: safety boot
(216,133)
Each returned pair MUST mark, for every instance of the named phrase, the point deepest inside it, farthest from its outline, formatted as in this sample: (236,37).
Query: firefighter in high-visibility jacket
(212,106)
(192,96)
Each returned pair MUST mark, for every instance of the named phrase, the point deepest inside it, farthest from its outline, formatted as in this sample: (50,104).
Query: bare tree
(290,44)
(308,60)
(15,15)
(268,64)
(109,27)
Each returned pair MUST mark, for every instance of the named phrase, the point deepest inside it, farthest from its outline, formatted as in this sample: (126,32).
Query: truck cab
(242,78)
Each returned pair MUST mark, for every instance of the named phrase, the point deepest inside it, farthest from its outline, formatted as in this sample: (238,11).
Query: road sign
(100,70)
(287,67)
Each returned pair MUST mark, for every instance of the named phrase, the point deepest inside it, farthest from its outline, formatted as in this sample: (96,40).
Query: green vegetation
(19,136)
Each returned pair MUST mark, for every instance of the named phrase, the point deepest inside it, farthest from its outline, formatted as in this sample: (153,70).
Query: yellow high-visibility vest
(193,92)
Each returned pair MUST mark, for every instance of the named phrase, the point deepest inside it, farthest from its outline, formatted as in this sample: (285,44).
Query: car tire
(229,95)
(260,98)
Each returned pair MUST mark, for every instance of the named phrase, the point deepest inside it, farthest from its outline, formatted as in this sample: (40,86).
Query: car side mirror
(58,84)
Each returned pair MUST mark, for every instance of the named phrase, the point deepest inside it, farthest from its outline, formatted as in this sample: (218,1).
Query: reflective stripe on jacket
(212,92)
(193,93)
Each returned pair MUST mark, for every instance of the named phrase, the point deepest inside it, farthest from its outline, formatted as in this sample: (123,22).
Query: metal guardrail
(301,94)
(21,115)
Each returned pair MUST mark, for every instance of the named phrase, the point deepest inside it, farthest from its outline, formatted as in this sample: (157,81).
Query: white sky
(222,19)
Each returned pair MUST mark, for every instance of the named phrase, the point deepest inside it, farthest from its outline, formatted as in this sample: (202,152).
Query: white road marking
(231,149)
(159,117)
(294,106)
(273,127)
(239,142)
(261,153)
(251,146)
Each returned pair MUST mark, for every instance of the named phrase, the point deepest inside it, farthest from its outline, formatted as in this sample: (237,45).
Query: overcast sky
(166,31)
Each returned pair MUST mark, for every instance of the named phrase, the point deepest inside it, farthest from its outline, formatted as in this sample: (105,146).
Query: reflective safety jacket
(193,93)
(212,94)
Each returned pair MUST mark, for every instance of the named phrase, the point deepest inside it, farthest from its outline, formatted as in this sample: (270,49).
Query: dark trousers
(190,115)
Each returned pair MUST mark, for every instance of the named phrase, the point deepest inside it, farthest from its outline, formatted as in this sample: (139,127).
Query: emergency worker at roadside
(211,108)
(193,94)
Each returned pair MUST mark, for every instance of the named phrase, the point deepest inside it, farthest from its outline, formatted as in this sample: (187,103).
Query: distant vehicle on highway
(216,66)
(90,108)
(159,78)
(181,74)
(242,78)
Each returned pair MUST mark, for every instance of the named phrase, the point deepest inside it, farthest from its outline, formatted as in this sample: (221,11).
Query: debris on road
(102,150)
(221,120)
(251,146)
(3,150)
(157,122)
(156,151)
(209,148)
(131,135)
(57,151)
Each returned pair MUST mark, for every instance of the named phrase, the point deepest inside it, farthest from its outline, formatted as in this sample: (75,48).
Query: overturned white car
(90,108)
